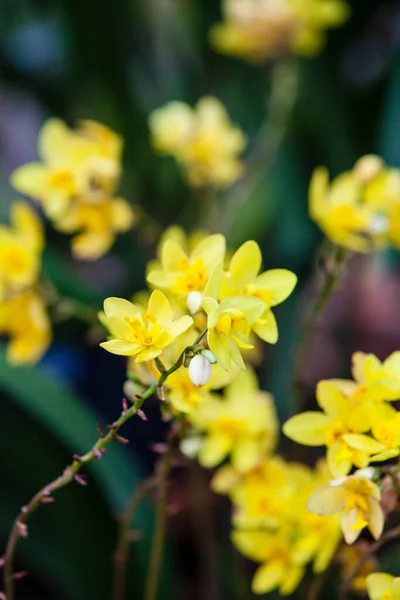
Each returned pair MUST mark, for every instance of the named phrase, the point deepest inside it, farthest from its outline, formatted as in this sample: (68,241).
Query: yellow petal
(363,443)
(352,525)
(180,326)
(158,279)
(291,581)
(378,584)
(214,283)
(91,246)
(53,138)
(29,179)
(376,518)
(245,264)
(339,461)
(385,455)
(214,450)
(160,307)
(330,398)
(172,256)
(280,283)
(268,577)
(254,544)
(120,308)
(251,307)
(121,347)
(224,480)
(219,347)
(266,328)
(307,428)
(28,224)
(148,354)
(246,454)
(318,193)
(327,500)
(235,354)
(211,250)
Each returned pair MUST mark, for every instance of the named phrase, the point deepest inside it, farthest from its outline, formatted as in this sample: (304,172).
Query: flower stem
(332,263)
(71,473)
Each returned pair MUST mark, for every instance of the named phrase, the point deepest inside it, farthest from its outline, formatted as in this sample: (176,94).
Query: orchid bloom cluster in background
(75,184)
(359,209)
(257,30)
(23,315)
(203,141)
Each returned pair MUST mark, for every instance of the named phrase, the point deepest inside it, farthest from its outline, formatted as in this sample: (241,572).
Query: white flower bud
(209,356)
(190,446)
(194,301)
(199,370)
(367,472)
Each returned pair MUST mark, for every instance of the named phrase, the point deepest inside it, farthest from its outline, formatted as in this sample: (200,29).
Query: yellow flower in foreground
(359,209)
(182,273)
(242,424)
(382,586)
(357,498)
(202,140)
(260,29)
(139,333)
(345,413)
(229,322)
(281,567)
(75,184)
(20,249)
(272,287)
(24,319)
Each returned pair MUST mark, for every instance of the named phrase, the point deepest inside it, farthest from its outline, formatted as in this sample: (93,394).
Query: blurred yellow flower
(243,277)
(345,413)
(21,246)
(139,333)
(181,273)
(382,379)
(257,30)
(385,430)
(359,209)
(242,424)
(357,498)
(75,183)
(23,318)
(281,566)
(382,586)
(202,140)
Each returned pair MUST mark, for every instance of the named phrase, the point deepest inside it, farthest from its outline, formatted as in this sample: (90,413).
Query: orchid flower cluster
(75,184)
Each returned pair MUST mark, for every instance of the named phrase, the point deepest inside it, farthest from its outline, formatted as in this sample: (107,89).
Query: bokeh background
(115,62)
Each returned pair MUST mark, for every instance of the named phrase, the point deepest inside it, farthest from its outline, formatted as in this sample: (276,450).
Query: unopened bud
(368,167)
(209,356)
(190,446)
(199,370)
(194,301)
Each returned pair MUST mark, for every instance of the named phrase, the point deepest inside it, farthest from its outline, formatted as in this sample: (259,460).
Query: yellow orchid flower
(183,273)
(381,379)
(21,245)
(382,586)
(23,318)
(359,209)
(203,141)
(264,29)
(97,224)
(242,424)
(385,430)
(229,322)
(344,414)
(357,498)
(281,566)
(143,334)
(272,287)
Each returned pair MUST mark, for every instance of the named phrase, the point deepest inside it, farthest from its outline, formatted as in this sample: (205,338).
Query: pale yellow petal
(29,179)
(180,326)
(268,577)
(91,246)
(148,354)
(307,428)
(121,308)
(378,584)
(363,443)
(219,347)
(28,224)
(245,264)
(211,250)
(327,500)
(53,139)
(224,480)
(280,283)
(376,518)
(214,283)
(172,256)
(339,462)
(160,307)
(121,347)
(214,450)
(246,453)
(266,328)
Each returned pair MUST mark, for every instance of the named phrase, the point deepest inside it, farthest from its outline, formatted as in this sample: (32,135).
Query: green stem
(332,266)
(70,474)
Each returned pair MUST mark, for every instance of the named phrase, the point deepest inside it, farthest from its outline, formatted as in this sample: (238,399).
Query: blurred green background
(116,61)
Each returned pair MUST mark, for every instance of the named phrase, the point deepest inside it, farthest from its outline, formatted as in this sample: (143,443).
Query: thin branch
(71,473)
(332,266)
(121,553)
(387,537)
(157,546)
